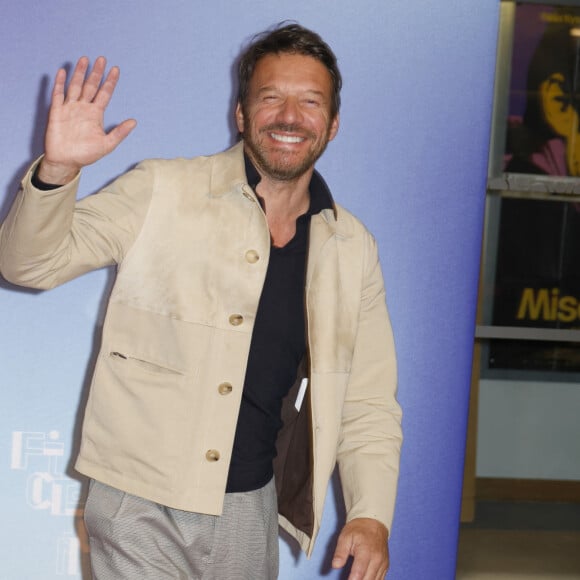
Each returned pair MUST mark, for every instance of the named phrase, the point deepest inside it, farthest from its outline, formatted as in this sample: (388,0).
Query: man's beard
(284,167)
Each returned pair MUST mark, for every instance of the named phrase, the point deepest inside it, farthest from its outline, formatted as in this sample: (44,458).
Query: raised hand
(75,134)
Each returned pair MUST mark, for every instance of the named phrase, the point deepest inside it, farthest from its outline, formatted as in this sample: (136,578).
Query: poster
(537,271)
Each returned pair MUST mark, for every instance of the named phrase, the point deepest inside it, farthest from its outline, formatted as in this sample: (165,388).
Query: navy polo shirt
(277,347)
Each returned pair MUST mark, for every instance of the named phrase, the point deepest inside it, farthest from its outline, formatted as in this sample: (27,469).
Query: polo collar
(320,196)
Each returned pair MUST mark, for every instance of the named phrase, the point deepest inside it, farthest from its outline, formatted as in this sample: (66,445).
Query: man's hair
(288,38)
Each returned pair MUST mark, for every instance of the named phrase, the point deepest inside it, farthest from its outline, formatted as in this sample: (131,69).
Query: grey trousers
(135,539)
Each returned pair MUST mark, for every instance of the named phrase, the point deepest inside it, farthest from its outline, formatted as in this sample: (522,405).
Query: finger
(367,570)
(58,88)
(377,570)
(75,86)
(105,93)
(91,85)
(368,564)
(361,568)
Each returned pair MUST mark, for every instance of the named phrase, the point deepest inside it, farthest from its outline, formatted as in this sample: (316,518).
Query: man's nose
(290,111)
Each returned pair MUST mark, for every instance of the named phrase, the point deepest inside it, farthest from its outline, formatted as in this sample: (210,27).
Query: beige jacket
(191,244)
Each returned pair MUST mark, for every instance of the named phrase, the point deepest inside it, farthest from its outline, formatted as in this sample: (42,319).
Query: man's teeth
(286,138)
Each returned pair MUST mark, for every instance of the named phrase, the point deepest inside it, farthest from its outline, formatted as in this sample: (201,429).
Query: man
(247,346)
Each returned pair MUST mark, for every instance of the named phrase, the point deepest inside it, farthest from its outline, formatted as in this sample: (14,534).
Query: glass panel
(531,267)
(537,282)
(541,102)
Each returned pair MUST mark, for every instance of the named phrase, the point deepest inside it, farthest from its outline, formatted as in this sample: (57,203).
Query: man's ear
(334,125)
(239,114)
(559,115)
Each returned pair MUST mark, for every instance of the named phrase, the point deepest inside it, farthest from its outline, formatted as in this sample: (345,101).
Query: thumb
(120,132)
(342,551)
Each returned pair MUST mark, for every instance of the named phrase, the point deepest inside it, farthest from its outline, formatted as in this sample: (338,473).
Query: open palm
(75,134)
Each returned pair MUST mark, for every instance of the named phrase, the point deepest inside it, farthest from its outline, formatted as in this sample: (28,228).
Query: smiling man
(247,347)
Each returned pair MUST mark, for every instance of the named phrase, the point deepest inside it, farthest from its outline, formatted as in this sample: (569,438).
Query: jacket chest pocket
(142,364)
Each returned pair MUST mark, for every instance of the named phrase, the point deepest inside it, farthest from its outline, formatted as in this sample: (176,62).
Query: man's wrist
(40,184)
(53,176)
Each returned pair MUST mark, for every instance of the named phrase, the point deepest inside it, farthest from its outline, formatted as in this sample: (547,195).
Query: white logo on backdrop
(48,488)
(42,457)
(68,558)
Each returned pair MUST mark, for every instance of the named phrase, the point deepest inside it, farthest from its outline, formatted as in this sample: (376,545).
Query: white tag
(301,393)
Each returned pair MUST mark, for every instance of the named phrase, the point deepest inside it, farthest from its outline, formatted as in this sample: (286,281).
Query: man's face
(286,121)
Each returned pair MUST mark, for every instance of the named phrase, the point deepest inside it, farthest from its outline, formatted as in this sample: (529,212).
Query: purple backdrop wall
(410,160)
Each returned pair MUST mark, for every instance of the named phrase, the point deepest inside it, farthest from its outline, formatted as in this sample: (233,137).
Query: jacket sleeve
(370,442)
(49,237)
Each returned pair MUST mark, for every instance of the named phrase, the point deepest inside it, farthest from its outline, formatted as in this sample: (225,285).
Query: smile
(286,138)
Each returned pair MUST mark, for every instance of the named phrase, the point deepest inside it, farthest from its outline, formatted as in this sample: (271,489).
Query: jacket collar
(228,175)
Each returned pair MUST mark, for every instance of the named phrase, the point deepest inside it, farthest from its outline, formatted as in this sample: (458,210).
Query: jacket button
(225,389)
(236,319)
(212,455)
(252,256)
